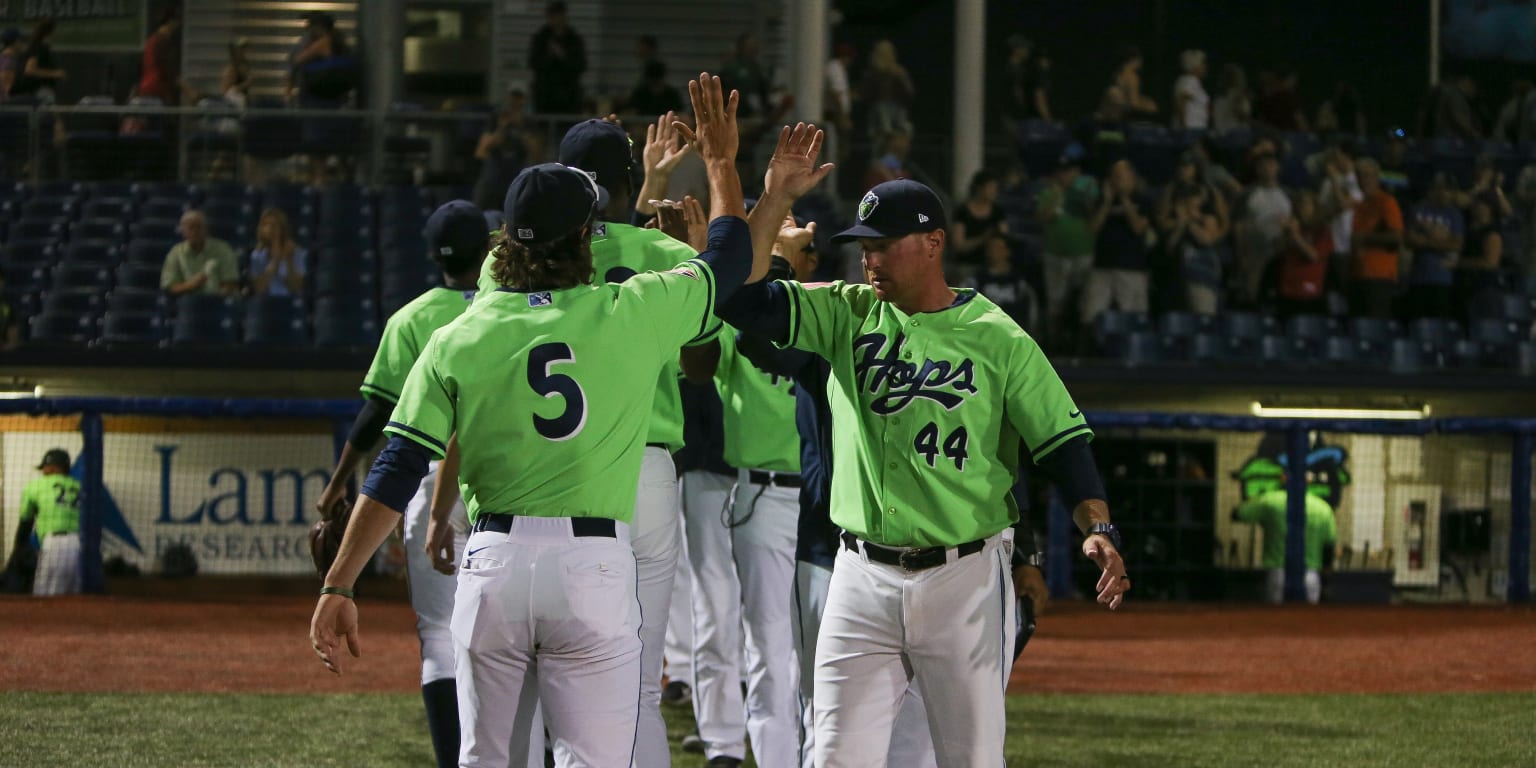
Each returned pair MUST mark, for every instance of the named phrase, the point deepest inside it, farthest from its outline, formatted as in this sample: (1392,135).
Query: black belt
(580,526)
(911,559)
(774,478)
(662,446)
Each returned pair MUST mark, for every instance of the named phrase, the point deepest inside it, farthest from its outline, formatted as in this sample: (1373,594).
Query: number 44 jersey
(551,392)
(942,402)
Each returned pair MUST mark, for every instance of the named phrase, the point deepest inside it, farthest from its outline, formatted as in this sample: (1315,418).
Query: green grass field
(162,730)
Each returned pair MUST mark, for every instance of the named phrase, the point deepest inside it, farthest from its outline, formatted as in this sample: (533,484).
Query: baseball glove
(325,536)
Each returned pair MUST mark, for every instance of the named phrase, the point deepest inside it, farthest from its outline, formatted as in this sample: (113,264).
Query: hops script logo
(881,371)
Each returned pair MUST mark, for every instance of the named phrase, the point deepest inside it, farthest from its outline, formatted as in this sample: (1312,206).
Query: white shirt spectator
(1267,209)
(1197,104)
(837,86)
(1343,223)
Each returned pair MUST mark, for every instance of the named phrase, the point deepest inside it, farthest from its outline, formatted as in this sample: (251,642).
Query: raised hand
(698,223)
(664,146)
(792,171)
(714,135)
(670,219)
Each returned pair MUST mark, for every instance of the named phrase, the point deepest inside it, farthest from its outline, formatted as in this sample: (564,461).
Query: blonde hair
(285,234)
(883,55)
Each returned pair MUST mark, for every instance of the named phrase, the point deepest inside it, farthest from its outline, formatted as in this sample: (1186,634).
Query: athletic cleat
(724,762)
(676,694)
(693,744)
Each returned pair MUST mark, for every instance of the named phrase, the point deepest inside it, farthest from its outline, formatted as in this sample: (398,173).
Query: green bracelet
(343,591)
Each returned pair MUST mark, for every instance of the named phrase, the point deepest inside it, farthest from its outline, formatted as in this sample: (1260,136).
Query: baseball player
(50,507)
(1267,510)
(457,240)
(540,389)
(932,390)
(619,251)
(742,558)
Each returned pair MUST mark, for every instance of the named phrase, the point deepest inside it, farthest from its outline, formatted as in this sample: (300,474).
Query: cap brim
(856,232)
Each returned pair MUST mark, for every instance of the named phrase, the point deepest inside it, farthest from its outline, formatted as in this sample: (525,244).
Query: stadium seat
(344,306)
(38,229)
(1274,350)
(1406,356)
(1140,348)
(111,230)
(67,327)
(1497,333)
(58,189)
(27,279)
(33,253)
(1463,354)
(1112,322)
(79,301)
(149,251)
(124,327)
(163,208)
(166,190)
(1339,352)
(109,189)
(1180,324)
(1434,330)
(204,319)
(90,253)
(67,276)
(275,321)
(1314,327)
(134,300)
(1205,348)
(402,284)
(1244,325)
(1525,358)
(49,208)
(118,209)
(1375,329)
(138,277)
(155,229)
(345,330)
(360,280)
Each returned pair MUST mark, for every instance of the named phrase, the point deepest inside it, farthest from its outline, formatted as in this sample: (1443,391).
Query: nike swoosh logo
(474,552)
(1074,414)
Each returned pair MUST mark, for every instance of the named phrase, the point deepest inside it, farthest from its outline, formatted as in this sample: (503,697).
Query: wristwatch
(1037,559)
(1108,531)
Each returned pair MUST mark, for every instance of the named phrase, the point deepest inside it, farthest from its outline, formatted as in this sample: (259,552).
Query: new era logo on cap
(922,218)
(524,233)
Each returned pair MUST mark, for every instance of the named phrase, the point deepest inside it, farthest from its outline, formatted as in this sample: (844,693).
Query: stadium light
(1291,412)
(20,392)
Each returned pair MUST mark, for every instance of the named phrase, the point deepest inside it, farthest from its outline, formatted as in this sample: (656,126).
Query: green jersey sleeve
(1037,403)
(392,363)
(687,294)
(821,315)
(425,412)
(29,501)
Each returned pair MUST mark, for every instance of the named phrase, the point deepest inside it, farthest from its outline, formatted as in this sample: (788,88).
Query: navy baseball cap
(456,230)
(896,209)
(600,147)
(549,201)
(56,457)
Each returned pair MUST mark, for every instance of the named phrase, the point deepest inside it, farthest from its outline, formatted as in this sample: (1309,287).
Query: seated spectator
(1005,286)
(1302,285)
(1063,208)
(1233,109)
(891,164)
(1119,275)
(277,263)
(1378,234)
(977,221)
(1435,230)
(199,263)
(654,95)
(1262,213)
(1191,102)
(1478,271)
(1193,235)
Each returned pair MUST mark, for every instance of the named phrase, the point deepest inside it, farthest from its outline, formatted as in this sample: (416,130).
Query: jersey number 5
(570,421)
(927,444)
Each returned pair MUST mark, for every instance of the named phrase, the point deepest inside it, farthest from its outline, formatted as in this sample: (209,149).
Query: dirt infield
(260,645)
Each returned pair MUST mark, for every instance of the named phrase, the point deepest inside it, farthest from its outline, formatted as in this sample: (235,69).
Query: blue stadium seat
(124,327)
(1274,350)
(149,251)
(119,209)
(1497,333)
(1436,331)
(228,191)
(139,277)
(1205,348)
(204,319)
(1375,329)
(111,230)
(58,188)
(1244,325)
(63,328)
(166,190)
(79,301)
(93,253)
(1406,356)
(109,189)
(38,229)
(1314,327)
(27,279)
(1463,354)
(1525,358)
(360,280)
(236,235)
(66,276)
(345,330)
(155,229)
(1339,352)
(346,306)
(230,211)
(163,208)
(404,283)
(30,253)
(1140,348)
(132,299)
(275,321)
(1039,143)
(49,208)
(1181,324)
(1113,322)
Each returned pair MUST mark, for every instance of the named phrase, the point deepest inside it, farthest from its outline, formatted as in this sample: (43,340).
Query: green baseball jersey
(1268,510)
(930,410)
(619,252)
(550,392)
(55,501)
(758,412)
(405,334)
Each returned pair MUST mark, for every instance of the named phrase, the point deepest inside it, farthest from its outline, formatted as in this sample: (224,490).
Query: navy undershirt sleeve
(370,423)
(729,255)
(761,308)
(397,473)
(1072,469)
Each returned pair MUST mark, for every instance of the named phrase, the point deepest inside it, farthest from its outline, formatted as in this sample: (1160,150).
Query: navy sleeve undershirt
(370,423)
(1072,469)
(397,473)
(729,255)
(761,308)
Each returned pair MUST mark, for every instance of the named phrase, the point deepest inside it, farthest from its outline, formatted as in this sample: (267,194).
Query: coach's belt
(774,478)
(920,559)
(662,446)
(580,526)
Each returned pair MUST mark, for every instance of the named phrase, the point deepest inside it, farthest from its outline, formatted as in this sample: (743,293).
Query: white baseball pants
(678,651)
(58,565)
(543,615)
(432,592)
(950,629)
(744,577)
(657,539)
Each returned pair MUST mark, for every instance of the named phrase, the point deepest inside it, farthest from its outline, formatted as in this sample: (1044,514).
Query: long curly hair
(551,266)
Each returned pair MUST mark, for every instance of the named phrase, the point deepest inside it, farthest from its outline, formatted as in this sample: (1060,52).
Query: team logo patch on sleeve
(687,272)
(600,229)
(540,299)
(868,205)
